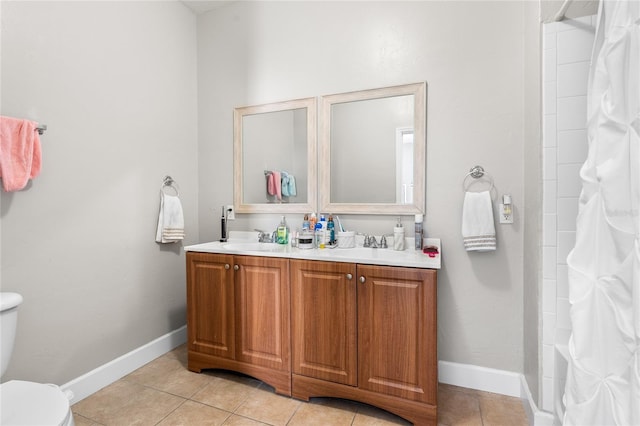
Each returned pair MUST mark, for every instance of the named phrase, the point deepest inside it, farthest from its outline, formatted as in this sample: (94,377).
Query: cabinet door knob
(362,279)
(349,276)
(236,267)
(226,266)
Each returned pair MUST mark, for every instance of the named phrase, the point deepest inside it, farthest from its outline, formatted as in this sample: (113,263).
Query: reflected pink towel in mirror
(20,153)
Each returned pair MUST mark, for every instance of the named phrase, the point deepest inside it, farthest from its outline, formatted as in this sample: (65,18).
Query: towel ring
(476,172)
(168,181)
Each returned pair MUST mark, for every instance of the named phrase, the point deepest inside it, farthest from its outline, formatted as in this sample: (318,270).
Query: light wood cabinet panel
(397,332)
(324,320)
(262,308)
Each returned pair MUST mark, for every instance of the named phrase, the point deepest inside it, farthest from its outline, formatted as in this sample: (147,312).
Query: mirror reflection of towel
(288,185)
(478,230)
(274,184)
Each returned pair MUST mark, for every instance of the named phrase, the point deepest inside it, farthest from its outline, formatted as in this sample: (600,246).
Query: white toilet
(26,403)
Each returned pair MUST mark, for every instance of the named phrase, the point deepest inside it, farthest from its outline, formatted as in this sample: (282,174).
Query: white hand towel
(478,230)
(170,219)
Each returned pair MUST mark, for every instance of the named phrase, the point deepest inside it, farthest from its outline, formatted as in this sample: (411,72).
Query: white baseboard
(480,378)
(108,373)
(495,381)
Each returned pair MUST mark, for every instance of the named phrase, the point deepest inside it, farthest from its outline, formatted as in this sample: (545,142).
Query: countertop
(365,255)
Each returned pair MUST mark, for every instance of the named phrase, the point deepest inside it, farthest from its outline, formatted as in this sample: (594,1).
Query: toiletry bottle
(418,235)
(331,230)
(312,222)
(323,232)
(282,233)
(306,225)
(398,236)
(318,236)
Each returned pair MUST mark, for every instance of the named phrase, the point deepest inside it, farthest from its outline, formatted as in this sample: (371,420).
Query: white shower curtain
(603,381)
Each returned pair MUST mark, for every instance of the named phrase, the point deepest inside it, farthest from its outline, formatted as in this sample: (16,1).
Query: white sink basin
(253,246)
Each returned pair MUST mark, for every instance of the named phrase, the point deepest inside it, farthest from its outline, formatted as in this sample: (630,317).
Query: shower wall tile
(548,352)
(550,65)
(549,230)
(572,146)
(548,328)
(574,44)
(549,131)
(562,281)
(572,112)
(569,183)
(549,97)
(566,241)
(549,198)
(550,164)
(547,394)
(549,269)
(572,79)
(563,320)
(549,296)
(567,213)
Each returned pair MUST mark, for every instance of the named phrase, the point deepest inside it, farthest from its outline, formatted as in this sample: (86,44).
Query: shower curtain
(603,380)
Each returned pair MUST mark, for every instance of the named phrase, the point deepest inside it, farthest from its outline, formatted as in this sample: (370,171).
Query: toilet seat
(28,403)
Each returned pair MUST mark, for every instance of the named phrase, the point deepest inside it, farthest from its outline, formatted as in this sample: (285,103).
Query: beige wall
(116,84)
(471,56)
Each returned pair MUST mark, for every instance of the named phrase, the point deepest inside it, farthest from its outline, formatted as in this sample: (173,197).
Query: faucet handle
(367,241)
(383,242)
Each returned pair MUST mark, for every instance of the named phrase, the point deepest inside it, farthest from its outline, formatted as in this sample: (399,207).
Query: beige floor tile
(83,421)
(226,391)
(194,413)
(242,421)
(498,410)
(458,408)
(324,411)
(264,405)
(168,375)
(372,416)
(127,403)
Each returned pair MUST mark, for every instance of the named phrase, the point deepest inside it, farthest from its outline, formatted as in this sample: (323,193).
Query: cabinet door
(323,305)
(397,332)
(210,306)
(262,311)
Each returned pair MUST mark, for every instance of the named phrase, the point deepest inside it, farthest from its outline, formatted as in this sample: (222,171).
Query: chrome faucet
(265,237)
(383,240)
(370,241)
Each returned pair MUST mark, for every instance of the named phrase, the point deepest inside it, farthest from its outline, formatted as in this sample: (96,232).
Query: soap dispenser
(282,233)
(398,236)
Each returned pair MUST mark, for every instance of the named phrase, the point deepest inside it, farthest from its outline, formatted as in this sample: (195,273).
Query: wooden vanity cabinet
(366,333)
(238,316)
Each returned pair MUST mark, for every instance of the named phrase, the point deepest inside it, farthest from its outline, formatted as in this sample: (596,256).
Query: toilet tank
(8,320)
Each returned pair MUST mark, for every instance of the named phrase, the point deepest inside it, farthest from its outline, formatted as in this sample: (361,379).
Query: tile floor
(165,393)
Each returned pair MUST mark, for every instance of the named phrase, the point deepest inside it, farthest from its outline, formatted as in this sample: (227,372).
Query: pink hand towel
(277,180)
(274,184)
(20,153)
